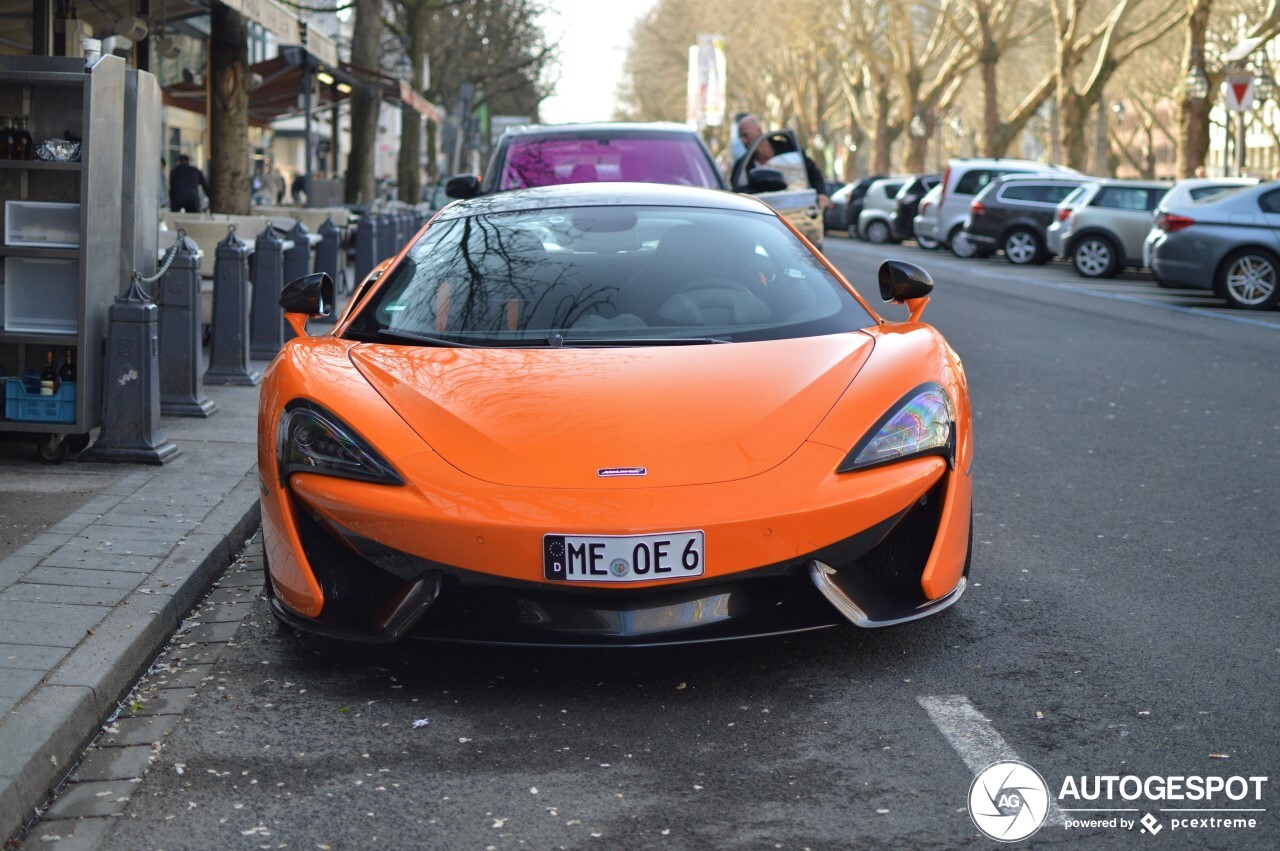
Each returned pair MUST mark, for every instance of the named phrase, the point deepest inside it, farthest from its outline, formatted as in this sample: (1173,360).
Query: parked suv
(875,222)
(907,203)
(847,204)
(1013,213)
(1100,226)
(964,179)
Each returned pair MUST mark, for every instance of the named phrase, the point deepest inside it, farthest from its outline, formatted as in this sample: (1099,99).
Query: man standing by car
(750,129)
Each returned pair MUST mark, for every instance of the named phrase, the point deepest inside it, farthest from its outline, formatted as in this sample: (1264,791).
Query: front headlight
(922,423)
(309,439)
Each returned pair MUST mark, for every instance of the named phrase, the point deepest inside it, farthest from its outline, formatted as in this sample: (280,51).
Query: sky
(594,36)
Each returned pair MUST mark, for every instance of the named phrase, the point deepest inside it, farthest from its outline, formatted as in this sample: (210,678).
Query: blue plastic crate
(24,403)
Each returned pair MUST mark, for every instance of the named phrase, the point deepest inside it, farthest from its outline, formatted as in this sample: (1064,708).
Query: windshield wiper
(556,340)
(425,340)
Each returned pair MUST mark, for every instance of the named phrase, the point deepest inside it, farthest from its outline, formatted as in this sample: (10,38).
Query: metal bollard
(265,317)
(329,259)
(229,351)
(131,397)
(366,245)
(178,296)
(386,236)
(297,260)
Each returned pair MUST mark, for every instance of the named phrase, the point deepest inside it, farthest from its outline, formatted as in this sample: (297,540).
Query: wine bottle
(6,138)
(48,376)
(67,372)
(23,145)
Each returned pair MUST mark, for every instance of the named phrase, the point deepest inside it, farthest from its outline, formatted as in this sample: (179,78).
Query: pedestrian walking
(185,183)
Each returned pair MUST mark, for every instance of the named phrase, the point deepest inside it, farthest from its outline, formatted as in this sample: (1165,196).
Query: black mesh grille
(898,561)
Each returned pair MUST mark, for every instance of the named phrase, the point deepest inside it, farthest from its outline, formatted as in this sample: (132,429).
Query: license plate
(622,558)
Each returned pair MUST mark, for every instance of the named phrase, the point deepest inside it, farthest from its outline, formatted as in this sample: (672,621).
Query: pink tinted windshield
(653,159)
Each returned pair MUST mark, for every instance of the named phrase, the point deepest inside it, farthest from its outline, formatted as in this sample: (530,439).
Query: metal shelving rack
(61,97)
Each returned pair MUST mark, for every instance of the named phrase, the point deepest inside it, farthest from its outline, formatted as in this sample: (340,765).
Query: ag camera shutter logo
(1008,801)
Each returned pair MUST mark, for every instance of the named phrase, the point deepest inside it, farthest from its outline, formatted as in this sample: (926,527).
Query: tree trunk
(917,148)
(359,188)
(409,171)
(1193,115)
(884,142)
(989,59)
(229,112)
(1073,115)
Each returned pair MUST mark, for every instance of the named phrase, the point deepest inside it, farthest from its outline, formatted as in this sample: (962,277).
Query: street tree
(1091,45)
(229,111)
(1218,28)
(998,27)
(365,53)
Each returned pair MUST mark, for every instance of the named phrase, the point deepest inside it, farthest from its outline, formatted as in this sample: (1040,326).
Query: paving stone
(86,578)
(42,634)
(31,656)
(182,676)
(114,763)
(210,632)
(142,730)
(16,682)
(242,579)
(226,612)
(120,535)
(233,594)
(134,519)
(71,834)
(78,556)
(95,798)
(6,704)
(96,542)
(165,701)
(32,592)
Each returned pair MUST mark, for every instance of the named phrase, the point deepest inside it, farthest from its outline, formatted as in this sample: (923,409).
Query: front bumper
(874,577)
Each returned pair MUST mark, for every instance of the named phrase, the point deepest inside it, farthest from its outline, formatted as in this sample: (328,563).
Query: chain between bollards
(164,267)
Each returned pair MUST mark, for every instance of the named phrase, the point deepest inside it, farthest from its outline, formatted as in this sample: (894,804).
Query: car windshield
(657,158)
(607,275)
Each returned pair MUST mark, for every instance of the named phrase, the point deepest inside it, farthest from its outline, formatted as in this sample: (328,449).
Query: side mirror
(463,186)
(902,282)
(765,180)
(310,295)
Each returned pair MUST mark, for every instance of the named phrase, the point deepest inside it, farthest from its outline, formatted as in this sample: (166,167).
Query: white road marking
(975,739)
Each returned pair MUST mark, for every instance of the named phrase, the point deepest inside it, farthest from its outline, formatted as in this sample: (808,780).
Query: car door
(794,199)
(1269,204)
(1129,215)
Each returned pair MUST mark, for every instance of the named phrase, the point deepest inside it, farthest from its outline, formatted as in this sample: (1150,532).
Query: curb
(42,739)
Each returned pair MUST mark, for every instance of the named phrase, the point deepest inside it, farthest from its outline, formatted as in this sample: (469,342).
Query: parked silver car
(925,224)
(1188,191)
(1100,227)
(964,179)
(1229,243)
(875,222)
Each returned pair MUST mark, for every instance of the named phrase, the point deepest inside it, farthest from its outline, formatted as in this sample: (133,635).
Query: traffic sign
(1238,92)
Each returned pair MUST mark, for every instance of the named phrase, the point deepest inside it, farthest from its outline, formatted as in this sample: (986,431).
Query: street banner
(1237,92)
(706,96)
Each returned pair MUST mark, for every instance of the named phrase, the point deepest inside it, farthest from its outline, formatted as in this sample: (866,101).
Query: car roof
(1138,184)
(599,127)
(603,195)
(1044,177)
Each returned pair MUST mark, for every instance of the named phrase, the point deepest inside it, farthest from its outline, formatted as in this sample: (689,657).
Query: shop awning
(280,91)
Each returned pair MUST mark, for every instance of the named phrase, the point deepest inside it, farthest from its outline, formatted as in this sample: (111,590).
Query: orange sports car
(618,414)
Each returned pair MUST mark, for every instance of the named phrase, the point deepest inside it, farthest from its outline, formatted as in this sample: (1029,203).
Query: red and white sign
(1238,92)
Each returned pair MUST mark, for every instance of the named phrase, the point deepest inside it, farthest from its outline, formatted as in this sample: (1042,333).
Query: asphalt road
(1121,621)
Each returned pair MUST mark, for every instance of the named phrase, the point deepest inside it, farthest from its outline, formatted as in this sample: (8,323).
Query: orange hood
(556,417)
